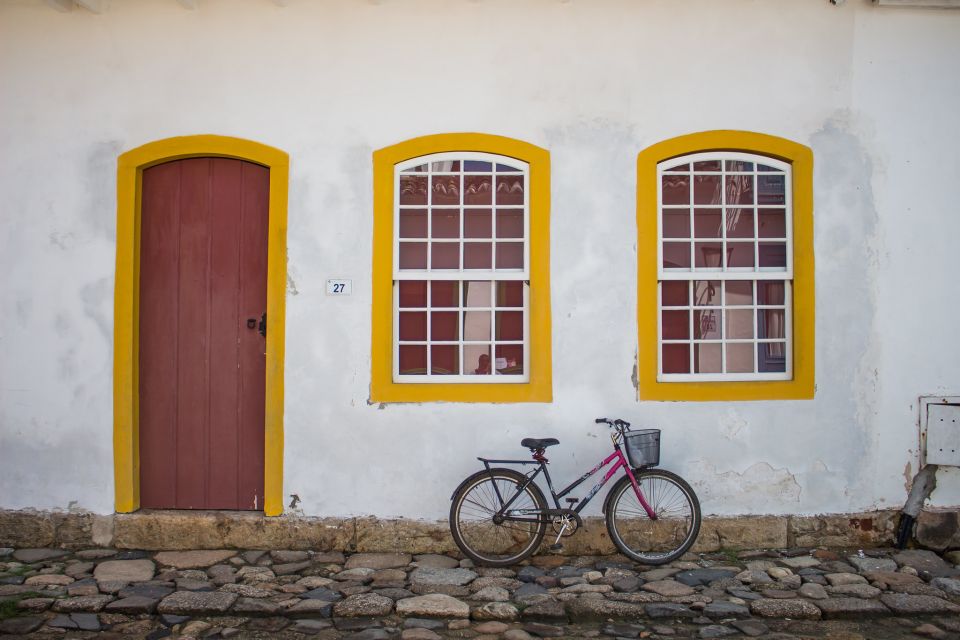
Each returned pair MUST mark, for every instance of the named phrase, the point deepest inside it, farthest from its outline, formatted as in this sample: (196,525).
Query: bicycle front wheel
(502,543)
(656,541)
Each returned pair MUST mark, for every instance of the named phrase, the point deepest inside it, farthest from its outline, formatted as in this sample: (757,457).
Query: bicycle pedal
(556,547)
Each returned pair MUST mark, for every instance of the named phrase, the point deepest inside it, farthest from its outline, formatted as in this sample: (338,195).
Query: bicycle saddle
(538,443)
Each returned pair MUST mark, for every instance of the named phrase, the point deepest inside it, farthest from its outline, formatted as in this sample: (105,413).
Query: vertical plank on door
(225,333)
(193,353)
(159,256)
(253,302)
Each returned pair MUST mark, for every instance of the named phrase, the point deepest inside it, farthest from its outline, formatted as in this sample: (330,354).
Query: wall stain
(97,299)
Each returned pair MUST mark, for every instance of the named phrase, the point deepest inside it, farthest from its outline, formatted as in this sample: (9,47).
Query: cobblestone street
(795,593)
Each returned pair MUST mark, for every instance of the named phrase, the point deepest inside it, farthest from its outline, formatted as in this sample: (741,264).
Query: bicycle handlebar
(617,422)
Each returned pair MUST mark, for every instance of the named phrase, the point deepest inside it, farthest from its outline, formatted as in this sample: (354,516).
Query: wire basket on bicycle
(643,447)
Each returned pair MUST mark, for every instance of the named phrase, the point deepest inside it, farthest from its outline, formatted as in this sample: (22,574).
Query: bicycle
(499,516)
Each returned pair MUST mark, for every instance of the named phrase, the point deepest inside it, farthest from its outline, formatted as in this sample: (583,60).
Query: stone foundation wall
(178,530)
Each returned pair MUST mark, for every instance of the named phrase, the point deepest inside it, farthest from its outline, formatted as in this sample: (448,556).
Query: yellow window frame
(382,386)
(800,157)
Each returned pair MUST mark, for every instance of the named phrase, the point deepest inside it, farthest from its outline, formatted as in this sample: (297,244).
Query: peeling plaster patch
(732,425)
(908,477)
(760,485)
(292,286)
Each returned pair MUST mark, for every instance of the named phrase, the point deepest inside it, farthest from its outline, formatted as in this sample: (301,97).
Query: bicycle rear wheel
(476,501)
(653,541)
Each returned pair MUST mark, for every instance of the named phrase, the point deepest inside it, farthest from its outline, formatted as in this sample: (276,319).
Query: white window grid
(424,166)
(724,272)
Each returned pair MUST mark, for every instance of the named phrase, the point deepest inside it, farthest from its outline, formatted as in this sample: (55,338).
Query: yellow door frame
(130,167)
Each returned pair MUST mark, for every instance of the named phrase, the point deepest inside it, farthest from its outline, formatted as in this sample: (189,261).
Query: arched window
(461,282)
(728,301)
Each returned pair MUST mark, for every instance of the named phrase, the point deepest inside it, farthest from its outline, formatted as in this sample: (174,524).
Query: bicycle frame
(617,457)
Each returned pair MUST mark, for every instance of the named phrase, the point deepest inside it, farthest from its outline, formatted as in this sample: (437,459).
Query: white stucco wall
(874,92)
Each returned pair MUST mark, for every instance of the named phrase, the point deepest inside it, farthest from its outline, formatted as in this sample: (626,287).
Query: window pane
(476,223)
(443,326)
(413,293)
(446,223)
(476,359)
(770,323)
(413,325)
(443,293)
(675,189)
(509,359)
(446,190)
(706,325)
(739,165)
(706,190)
(740,223)
(674,293)
(771,357)
(477,189)
(510,223)
(476,165)
(707,165)
(477,255)
(706,293)
(706,223)
(444,359)
(740,358)
(707,358)
(740,325)
(413,190)
(509,189)
(773,224)
(765,168)
(676,255)
(509,325)
(413,223)
(420,168)
(413,359)
(681,167)
(738,292)
(509,255)
(505,168)
(773,254)
(675,358)
(739,254)
(445,255)
(771,189)
(676,224)
(445,166)
(476,293)
(476,325)
(770,291)
(413,255)
(709,255)
(510,294)
(740,189)
(675,325)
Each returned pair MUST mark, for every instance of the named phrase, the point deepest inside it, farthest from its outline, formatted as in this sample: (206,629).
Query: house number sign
(339,287)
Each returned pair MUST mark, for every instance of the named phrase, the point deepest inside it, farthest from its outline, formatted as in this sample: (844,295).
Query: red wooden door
(203,279)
